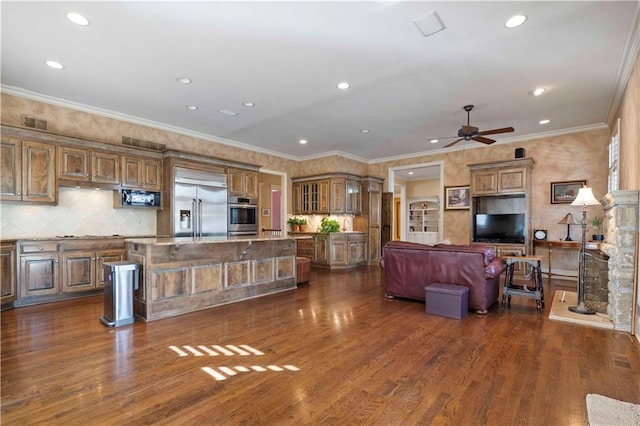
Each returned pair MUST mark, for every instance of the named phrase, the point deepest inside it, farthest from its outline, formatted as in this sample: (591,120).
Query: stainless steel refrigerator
(200,204)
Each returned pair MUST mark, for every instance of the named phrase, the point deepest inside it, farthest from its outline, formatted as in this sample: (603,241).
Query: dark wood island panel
(181,275)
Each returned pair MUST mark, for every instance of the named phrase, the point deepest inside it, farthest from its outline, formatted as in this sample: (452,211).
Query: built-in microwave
(242,214)
(133,197)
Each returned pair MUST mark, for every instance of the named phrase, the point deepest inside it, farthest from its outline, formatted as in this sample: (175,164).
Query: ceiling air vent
(139,143)
(34,123)
(429,24)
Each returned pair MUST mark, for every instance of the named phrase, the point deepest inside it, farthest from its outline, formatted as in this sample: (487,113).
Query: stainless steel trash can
(120,283)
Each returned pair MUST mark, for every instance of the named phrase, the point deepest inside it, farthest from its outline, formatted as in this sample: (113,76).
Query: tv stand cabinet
(503,187)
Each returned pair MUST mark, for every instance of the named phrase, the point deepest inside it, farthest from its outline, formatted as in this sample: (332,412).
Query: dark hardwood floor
(331,352)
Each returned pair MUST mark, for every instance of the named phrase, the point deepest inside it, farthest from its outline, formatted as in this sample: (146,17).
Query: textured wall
(96,217)
(577,156)
(629,114)
(570,157)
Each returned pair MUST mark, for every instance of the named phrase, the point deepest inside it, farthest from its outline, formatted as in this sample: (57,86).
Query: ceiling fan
(469,132)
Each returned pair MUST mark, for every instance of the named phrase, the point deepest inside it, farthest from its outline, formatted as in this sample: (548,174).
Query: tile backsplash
(79,212)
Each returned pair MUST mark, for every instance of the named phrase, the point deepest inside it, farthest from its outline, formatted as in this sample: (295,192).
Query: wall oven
(242,214)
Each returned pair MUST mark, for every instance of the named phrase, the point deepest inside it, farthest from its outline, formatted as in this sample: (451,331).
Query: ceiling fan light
(303,141)
(515,21)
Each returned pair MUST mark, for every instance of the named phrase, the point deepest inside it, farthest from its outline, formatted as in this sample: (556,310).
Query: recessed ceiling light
(184,80)
(343,86)
(303,141)
(410,173)
(538,91)
(544,121)
(364,131)
(515,21)
(54,64)
(76,18)
(434,141)
(228,112)
(248,104)
(191,107)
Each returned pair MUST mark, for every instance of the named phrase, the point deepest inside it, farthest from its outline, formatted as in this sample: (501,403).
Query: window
(614,148)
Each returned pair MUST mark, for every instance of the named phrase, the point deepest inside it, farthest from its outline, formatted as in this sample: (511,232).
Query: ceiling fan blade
(483,140)
(496,131)
(453,143)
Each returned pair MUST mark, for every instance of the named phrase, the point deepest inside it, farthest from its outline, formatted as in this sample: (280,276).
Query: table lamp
(568,220)
(585,198)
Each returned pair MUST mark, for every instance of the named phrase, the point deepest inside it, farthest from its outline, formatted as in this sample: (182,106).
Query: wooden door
(74,163)
(234,176)
(250,186)
(38,172)
(103,256)
(131,172)
(105,167)
(39,274)
(7,273)
(78,271)
(11,170)
(152,174)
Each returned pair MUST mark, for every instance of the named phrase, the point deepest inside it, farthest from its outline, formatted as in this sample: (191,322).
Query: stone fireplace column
(621,223)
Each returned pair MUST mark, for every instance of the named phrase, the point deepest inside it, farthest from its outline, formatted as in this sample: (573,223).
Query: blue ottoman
(447,300)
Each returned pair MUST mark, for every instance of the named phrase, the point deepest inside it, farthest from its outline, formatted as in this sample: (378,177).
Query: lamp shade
(568,220)
(585,198)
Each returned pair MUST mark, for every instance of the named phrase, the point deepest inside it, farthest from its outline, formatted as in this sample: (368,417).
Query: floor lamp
(585,198)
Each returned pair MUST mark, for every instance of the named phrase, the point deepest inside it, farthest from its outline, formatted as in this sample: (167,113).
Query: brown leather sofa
(410,267)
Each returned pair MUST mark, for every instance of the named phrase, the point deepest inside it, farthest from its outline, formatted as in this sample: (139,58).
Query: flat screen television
(499,228)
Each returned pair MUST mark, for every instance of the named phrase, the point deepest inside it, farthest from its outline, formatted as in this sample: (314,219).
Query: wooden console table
(550,245)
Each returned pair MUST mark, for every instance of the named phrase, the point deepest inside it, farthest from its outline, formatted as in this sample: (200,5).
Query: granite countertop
(159,241)
(322,233)
(74,237)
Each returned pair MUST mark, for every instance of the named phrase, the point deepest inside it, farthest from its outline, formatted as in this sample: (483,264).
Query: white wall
(79,212)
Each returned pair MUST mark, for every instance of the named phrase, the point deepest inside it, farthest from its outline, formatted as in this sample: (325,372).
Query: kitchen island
(181,275)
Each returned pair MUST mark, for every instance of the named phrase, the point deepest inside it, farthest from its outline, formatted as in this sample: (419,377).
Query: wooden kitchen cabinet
(356,249)
(8,291)
(346,196)
(28,171)
(311,197)
(84,270)
(372,208)
(84,167)
(62,268)
(142,173)
(502,187)
(39,263)
(105,167)
(338,250)
(242,183)
(496,182)
(333,193)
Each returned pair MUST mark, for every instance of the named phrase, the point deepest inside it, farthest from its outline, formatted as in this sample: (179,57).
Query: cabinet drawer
(39,246)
